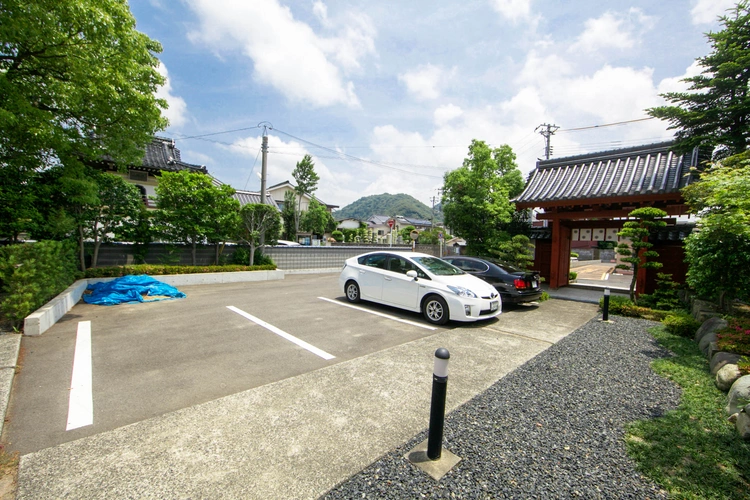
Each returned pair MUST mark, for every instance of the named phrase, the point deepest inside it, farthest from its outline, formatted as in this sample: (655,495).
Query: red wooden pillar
(560,260)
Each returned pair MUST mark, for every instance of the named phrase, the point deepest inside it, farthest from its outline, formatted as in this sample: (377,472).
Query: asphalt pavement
(298,436)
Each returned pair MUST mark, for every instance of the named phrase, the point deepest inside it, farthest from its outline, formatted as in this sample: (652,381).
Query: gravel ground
(553,428)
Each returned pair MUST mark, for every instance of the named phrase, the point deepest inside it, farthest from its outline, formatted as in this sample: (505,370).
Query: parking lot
(268,378)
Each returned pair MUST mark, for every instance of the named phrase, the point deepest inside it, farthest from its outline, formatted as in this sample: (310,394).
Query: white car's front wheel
(435,310)
(352,291)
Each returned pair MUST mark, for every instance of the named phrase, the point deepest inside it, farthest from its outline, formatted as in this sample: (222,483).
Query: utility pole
(264,149)
(547,131)
(433,199)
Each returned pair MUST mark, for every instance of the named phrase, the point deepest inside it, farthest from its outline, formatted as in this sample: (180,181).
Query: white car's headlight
(462,292)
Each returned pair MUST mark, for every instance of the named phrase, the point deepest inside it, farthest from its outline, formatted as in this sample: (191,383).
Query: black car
(514,285)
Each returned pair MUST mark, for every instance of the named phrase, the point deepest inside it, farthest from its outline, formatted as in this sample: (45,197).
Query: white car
(421,283)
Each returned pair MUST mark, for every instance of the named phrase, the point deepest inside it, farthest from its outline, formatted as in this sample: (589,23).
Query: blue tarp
(140,288)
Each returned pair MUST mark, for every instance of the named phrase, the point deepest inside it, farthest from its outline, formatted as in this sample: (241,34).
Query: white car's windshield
(437,266)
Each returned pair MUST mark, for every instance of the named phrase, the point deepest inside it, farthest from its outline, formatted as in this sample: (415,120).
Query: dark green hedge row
(158,269)
(33,273)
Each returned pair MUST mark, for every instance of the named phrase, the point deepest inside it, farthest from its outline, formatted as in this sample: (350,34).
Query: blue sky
(387,96)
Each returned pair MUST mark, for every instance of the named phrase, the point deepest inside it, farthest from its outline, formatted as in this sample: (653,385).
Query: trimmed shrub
(33,273)
(572,275)
(682,324)
(157,269)
(623,306)
(338,236)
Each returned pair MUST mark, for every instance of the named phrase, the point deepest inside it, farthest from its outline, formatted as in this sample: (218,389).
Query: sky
(386,96)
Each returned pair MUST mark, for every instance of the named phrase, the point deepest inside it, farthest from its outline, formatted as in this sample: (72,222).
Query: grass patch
(692,452)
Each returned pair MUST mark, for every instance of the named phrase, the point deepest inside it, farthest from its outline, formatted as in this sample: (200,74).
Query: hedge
(33,273)
(159,269)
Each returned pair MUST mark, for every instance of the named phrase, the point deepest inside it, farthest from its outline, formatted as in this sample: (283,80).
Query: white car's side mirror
(412,274)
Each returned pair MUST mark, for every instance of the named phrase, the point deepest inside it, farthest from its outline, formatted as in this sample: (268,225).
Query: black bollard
(605,308)
(437,407)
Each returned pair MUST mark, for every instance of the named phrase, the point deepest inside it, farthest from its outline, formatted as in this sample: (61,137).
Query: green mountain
(387,204)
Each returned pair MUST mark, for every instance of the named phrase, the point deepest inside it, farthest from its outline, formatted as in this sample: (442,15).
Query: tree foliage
(289,216)
(258,222)
(517,251)
(307,182)
(316,219)
(118,208)
(76,80)
(476,196)
(715,110)
(189,206)
(718,253)
(638,251)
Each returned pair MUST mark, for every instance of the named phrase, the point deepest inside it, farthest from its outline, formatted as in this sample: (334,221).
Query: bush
(573,255)
(241,257)
(735,337)
(33,273)
(545,296)
(623,306)
(682,324)
(572,275)
(338,236)
(158,269)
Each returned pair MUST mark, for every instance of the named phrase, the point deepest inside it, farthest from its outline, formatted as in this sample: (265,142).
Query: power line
(605,125)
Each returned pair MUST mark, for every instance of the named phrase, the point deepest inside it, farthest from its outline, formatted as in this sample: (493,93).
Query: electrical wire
(252,169)
(604,125)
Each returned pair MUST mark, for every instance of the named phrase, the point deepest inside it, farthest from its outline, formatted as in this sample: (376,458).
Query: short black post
(437,407)
(605,308)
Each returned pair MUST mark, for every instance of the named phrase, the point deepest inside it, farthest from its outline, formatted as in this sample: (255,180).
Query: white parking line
(81,401)
(394,318)
(282,333)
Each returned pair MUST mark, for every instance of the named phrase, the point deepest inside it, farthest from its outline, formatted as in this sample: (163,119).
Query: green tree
(405,233)
(476,196)
(188,205)
(69,198)
(289,215)
(307,182)
(316,218)
(118,207)
(716,109)
(718,253)
(224,219)
(638,252)
(516,251)
(77,81)
(258,222)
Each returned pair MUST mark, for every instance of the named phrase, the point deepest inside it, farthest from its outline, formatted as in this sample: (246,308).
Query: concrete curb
(43,318)
(10,346)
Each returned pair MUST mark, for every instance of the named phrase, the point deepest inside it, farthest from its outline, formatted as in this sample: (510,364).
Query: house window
(138,176)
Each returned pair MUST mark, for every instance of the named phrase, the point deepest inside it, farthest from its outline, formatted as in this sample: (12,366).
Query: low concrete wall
(43,318)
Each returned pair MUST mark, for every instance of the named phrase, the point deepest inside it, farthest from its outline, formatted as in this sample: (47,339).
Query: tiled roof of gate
(650,169)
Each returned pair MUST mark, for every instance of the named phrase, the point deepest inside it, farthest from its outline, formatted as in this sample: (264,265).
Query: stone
(722,358)
(705,342)
(710,325)
(739,395)
(702,307)
(726,376)
(743,422)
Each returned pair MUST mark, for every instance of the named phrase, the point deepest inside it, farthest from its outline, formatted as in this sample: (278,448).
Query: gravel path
(553,428)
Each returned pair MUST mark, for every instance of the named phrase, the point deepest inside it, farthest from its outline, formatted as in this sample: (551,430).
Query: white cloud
(282,159)
(707,11)
(676,84)
(446,113)
(287,54)
(613,30)
(513,10)
(425,81)
(177,112)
